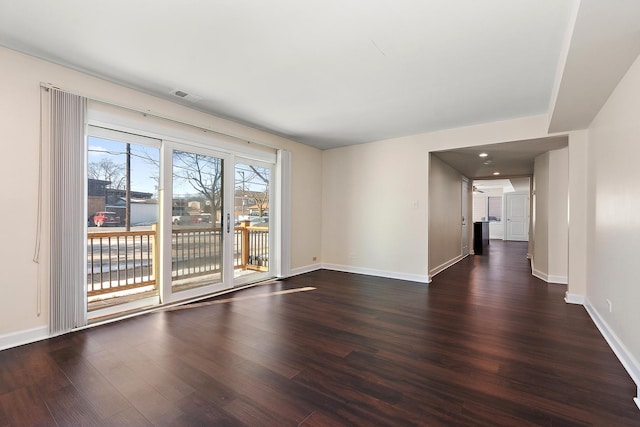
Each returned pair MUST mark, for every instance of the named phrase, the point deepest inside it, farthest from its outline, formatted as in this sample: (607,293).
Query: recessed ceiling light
(496,173)
(483,155)
(487,162)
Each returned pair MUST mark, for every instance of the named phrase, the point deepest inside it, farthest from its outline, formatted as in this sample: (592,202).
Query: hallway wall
(384,186)
(551,222)
(445,215)
(613,221)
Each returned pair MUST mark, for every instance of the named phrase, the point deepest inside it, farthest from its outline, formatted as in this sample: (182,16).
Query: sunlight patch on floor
(227,300)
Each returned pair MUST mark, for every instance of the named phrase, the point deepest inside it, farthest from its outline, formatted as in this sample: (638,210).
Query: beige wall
(375,209)
(578,212)
(613,221)
(445,215)
(377,185)
(20,111)
(551,226)
(558,215)
(364,207)
(540,215)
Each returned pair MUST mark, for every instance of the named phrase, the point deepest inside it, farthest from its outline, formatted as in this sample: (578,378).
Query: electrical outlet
(610,305)
(315,258)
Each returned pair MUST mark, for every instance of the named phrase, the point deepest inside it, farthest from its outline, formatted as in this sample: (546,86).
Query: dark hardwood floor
(484,344)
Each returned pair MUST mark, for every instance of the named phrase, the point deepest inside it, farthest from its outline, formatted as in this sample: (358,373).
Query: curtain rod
(49,86)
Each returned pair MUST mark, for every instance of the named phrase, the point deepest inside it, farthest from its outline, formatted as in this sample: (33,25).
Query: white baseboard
(445,265)
(304,269)
(15,339)
(573,298)
(626,358)
(380,273)
(560,280)
(539,274)
(549,278)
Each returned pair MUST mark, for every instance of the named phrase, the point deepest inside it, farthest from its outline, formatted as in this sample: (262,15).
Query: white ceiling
(323,72)
(331,73)
(604,44)
(511,159)
(491,186)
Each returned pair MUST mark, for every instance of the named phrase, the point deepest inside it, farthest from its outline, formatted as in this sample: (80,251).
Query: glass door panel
(252,241)
(197,213)
(122,216)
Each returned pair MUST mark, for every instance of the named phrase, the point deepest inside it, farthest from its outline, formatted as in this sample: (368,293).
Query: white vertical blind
(67,200)
(283,206)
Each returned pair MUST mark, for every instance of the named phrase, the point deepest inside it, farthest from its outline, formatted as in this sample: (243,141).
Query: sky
(144,161)
(145,167)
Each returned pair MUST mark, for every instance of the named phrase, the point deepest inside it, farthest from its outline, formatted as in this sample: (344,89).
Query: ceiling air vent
(184,95)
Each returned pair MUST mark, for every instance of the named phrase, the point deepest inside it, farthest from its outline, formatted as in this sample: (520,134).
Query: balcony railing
(123,260)
(118,261)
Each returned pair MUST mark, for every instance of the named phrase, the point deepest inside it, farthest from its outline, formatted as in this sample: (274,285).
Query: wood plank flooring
(485,344)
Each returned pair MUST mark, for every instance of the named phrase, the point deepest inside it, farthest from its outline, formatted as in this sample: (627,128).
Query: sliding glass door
(219,224)
(174,219)
(197,227)
(122,214)
(253,238)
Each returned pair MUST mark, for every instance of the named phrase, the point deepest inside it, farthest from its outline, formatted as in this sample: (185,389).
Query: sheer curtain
(64,129)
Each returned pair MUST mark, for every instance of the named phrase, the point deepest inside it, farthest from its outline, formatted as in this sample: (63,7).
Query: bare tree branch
(203,174)
(107,170)
(259,175)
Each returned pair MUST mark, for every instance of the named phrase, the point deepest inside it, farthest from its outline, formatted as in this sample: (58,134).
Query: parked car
(251,216)
(259,221)
(204,218)
(106,218)
(180,216)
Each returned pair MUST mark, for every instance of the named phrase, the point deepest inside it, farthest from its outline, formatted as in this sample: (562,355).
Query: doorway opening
(505,205)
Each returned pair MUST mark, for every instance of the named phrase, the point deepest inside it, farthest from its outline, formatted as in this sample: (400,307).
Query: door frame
(507,219)
(165,193)
(465,202)
(188,136)
(274,230)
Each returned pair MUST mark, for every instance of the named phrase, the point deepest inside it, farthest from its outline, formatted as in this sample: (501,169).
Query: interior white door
(517,213)
(465,217)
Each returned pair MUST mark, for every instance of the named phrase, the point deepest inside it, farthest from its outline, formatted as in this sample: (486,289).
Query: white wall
(20,131)
(521,184)
(551,228)
(613,221)
(445,215)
